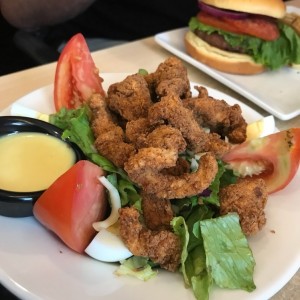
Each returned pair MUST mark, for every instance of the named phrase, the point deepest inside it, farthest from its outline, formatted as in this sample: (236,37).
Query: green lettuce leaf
(228,257)
(76,126)
(138,267)
(214,251)
(223,177)
(193,265)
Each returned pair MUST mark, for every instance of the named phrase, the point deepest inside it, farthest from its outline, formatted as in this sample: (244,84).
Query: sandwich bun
(218,59)
(272,8)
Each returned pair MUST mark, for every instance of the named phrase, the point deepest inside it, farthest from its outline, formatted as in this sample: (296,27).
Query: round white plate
(34,264)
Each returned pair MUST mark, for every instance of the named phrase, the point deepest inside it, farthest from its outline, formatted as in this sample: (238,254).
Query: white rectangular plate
(277,92)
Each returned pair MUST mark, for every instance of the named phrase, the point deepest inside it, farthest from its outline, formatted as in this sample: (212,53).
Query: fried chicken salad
(182,209)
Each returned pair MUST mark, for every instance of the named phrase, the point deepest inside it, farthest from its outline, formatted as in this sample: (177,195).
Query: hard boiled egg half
(107,245)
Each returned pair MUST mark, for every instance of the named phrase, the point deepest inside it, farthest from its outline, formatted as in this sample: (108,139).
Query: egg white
(107,246)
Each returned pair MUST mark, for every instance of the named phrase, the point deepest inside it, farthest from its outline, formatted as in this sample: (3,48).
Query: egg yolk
(31,161)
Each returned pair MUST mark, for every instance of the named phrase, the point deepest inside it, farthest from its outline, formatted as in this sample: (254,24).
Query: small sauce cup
(19,203)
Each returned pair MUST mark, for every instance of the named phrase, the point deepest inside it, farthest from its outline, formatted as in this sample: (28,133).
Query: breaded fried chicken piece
(157,212)
(170,110)
(162,247)
(130,98)
(143,135)
(112,146)
(169,78)
(166,137)
(219,116)
(110,138)
(182,166)
(176,86)
(248,198)
(137,130)
(145,169)
(102,119)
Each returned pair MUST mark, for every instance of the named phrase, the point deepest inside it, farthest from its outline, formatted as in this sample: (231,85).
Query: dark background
(6,295)
(12,59)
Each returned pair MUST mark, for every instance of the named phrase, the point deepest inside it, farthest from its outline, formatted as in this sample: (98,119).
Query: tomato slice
(255,26)
(72,204)
(76,75)
(277,154)
(216,22)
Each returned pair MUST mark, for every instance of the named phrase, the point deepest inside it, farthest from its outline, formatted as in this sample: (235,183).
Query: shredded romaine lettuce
(138,267)
(223,178)
(229,258)
(214,251)
(193,266)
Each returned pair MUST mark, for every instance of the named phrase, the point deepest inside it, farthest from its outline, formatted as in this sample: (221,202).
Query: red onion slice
(222,13)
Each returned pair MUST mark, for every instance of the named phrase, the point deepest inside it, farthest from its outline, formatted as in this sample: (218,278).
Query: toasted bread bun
(272,8)
(224,61)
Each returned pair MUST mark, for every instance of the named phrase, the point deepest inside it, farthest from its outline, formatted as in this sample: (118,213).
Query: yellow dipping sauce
(31,161)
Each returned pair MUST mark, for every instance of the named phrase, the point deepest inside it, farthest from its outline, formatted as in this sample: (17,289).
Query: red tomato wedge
(72,203)
(277,155)
(254,26)
(76,75)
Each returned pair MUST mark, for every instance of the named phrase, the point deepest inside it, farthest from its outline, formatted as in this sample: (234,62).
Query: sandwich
(242,36)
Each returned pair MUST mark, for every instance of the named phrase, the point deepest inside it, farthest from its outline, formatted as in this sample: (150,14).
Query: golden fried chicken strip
(176,86)
(112,146)
(170,110)
(130,98)
(219,116)
(157,212)
(145,169)
(137,130)
(162,247)
(248,198)
(102,119)
(182,166)
(166,137)
(170,77)
(143,135)
(110,138)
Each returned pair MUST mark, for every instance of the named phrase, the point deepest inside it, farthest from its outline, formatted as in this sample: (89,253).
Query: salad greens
(232,269)
(273,54)
(214,249)
(75,124)
(136,266)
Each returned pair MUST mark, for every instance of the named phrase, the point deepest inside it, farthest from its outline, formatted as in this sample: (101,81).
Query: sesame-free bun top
(272,8)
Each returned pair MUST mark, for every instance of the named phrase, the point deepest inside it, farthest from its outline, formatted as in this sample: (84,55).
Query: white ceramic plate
(276,92)
(34,264)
